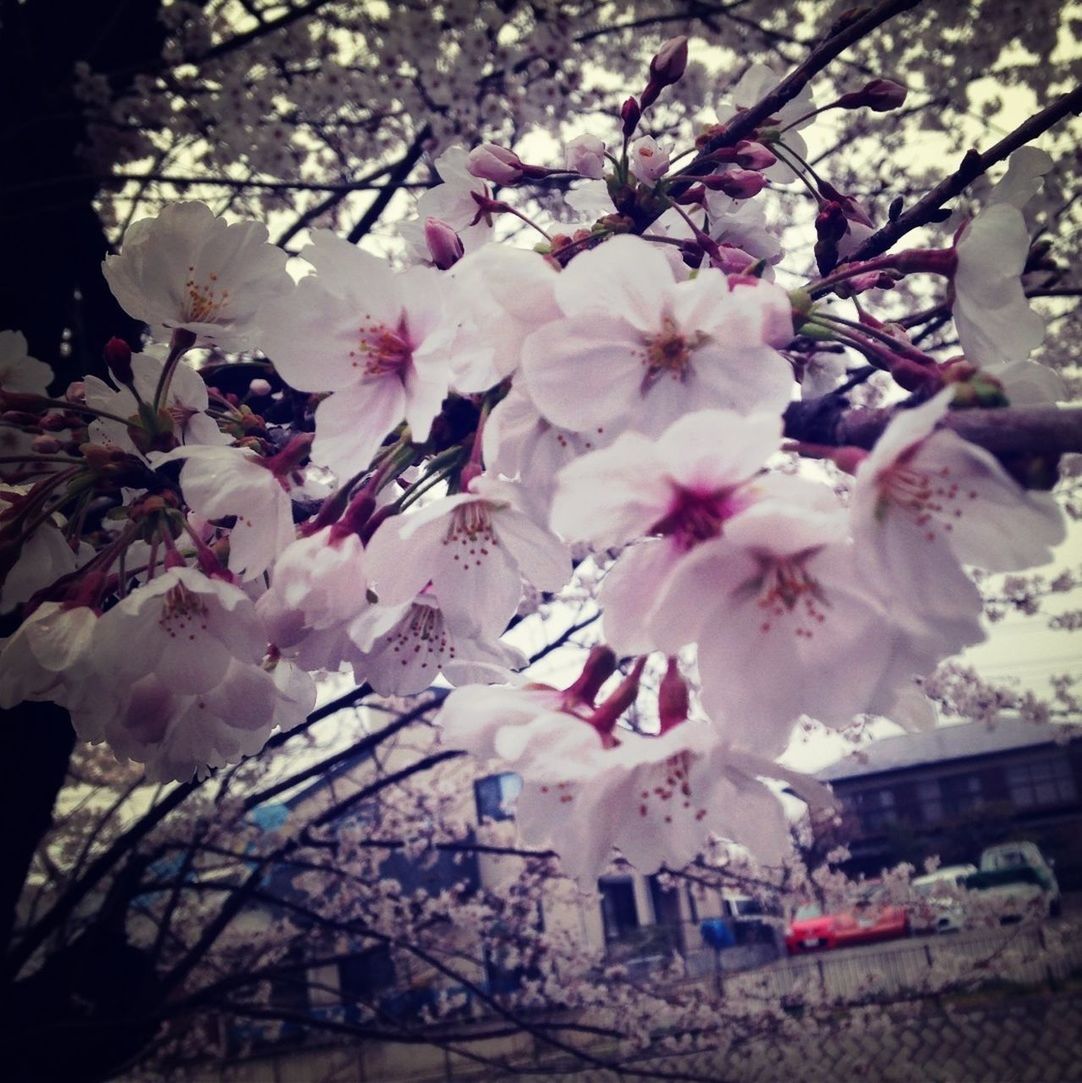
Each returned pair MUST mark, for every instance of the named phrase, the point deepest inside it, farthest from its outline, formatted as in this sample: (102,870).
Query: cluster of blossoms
(426,441)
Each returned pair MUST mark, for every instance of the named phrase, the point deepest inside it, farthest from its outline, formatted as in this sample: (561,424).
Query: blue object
(717,933)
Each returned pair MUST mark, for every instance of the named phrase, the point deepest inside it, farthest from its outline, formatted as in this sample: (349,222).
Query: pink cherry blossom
(402,649)
(655,799)
(229,481)
(585,155)
(475,548)
(925,501)
(188,268)
(639,348)
(647,161)
(369,336)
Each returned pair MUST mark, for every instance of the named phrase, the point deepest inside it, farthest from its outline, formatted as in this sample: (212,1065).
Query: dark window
(496,795)
(961,794)
(618,910)
(1043,782)
(366,976)
(666,901)
(876,809)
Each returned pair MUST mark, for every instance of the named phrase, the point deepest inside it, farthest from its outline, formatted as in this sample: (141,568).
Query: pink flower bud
(45,445)
(630,114)
(647,161)
(880,95)
(75,392)
(444,244)
(585,155)
(731,260)
(494,163)
(672,697)
(736,183)
(117,354)
(666,68)
(260,387)
(599,667)
(753,155)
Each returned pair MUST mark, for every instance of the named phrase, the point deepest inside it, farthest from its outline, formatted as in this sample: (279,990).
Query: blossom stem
(183,340)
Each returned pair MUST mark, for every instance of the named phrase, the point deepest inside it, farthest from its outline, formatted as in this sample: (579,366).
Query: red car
(868,921)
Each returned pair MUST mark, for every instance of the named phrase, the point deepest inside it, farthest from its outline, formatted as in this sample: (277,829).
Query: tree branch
(970,168)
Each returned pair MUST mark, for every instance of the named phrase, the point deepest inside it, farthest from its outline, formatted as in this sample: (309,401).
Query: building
(954,790)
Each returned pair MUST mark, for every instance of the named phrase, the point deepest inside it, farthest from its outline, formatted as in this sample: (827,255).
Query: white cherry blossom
(46,656)
(188,268)
(18,370)
(647,161)
(995,321)
(638,348)
(371,337)
(585,155)
(185,402)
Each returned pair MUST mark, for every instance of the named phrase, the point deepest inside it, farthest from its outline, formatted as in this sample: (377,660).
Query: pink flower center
(694,517)
(789,596)
(381,350)
(204,301)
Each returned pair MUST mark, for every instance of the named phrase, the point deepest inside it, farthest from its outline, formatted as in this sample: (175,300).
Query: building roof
(945,743)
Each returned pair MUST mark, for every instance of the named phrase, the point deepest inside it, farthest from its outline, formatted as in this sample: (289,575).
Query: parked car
(1010,894)
(871,919)
(941,908)
(1013,855)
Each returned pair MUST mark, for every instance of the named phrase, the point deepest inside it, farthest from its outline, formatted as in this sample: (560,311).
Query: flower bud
(880,95)
(444,244)
(585,155)
(630,114)
(647,161)
(45,445)
(670,62)
(117,354)
(259,387)
(599,667)
(665,69)
(751,155)
(736,183)
(494,163)
(672,697)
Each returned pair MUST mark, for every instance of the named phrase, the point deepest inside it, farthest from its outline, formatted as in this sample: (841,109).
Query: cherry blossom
(185,405)
(229,481)
(995,321)
(647,161)
(641,348)
(177,681)
(318,589)
(585,155)
(782,626)
(475,548)
(496,296)
(451,202)
(189,269)
(402,649)
(18,370)
(655,799)
(370,337)
(45,658)
(923,490)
